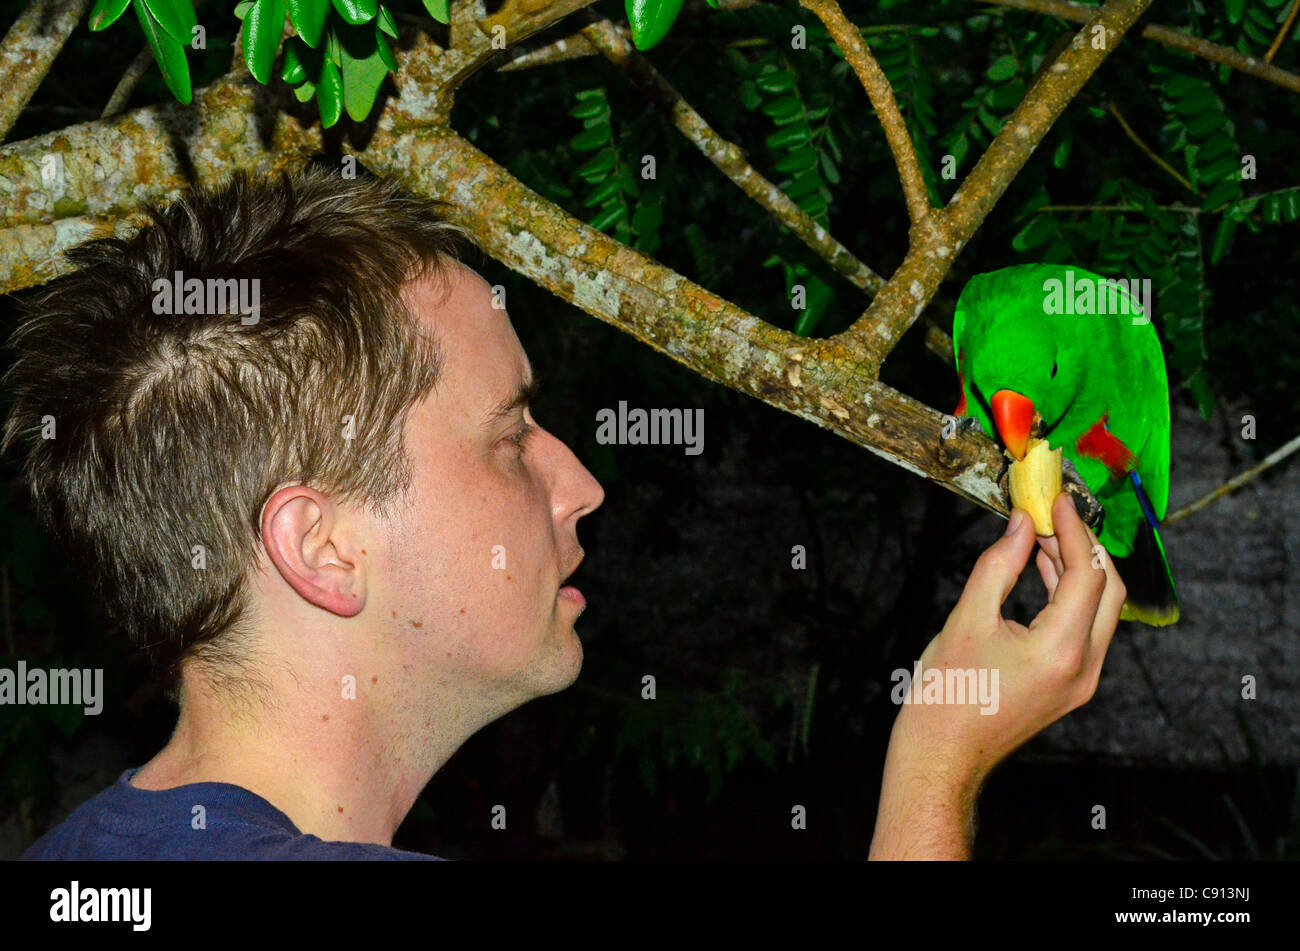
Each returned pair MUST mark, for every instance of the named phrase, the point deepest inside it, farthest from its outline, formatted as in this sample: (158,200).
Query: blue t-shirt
(125,823)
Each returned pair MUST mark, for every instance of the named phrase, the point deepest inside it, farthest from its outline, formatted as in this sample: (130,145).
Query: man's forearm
(927,807)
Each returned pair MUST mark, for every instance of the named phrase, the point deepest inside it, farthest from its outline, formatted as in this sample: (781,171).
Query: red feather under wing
(1098,443)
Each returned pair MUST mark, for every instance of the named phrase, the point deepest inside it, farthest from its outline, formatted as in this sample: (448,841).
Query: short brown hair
(171,431)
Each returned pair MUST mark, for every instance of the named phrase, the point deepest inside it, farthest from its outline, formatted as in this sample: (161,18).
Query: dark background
(773,682)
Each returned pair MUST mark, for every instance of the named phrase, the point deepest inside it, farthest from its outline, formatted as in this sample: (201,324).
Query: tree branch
(28,50)
(1235,483)
(706,333)
(1150,153)
(126,85)
(1174,39)
(1282,33)
(848,38)
(937,240)
(613,43)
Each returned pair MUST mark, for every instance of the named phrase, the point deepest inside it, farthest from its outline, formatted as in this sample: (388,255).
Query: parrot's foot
(1085,503)
(967,423)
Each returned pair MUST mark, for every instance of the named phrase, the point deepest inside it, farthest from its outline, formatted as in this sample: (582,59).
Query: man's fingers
(1050,545)
(1079,590)
(997,570)
(1047,571)
(1112,601)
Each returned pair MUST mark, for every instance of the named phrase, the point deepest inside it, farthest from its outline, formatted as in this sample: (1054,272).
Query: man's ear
(310,548)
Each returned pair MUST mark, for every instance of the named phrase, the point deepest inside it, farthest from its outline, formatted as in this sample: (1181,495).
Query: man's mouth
(568,591)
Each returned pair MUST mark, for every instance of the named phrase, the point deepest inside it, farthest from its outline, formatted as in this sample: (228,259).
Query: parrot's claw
(967,423)
(1085,503)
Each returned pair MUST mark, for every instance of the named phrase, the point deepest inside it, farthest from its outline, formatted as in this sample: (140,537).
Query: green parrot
(1079,352)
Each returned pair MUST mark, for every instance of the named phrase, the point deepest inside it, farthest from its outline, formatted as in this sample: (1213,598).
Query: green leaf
(791,135)
(1224,191)
(440,10)
(386,22)
(329,93)
(305,91)
(591,139)
(597,166)
(1271,208)
(333,48)
(293,70)
(651,20)
(1256,32)
(356,12)
(609,216)
(385,52)
(176,17)
(1290,200)
(308,18)
(799,160)
(589,109)
(169,54)
(1003,68)
(603,192)
(1062,153)
(783,108)
(649,215)
(833,145)
(775,81)
(1235,8)
(105,13)
(829,170)
(261,34)
(1206,123)
(242,8)
(363,71)
(1037,232)
(1221,238)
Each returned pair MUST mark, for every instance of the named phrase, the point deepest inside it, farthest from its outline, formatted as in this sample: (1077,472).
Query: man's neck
(337,773)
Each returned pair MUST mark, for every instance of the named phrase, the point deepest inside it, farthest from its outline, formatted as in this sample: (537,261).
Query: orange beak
(1013,415)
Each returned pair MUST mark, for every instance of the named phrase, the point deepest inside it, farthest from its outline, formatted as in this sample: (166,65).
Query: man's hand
(939,754)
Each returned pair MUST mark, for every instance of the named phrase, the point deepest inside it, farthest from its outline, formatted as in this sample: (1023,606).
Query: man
(328,513)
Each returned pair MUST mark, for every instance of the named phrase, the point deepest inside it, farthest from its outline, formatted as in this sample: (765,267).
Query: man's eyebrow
(525,394)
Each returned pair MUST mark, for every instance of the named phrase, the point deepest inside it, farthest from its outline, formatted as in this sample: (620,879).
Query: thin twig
(1174,39)
(566,48)
(29,49)
(873,79)
(126,85)
(1128,130)
(613,42)
(1282,33)
(1236,482)
(938,342)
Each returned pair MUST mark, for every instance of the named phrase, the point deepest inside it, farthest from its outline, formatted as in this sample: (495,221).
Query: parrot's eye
(1053,368)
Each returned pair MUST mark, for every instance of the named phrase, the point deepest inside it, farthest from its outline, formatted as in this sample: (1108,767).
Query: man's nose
(576,491)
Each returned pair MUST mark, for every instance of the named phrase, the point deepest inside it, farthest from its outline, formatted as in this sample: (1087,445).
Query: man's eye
(521,435)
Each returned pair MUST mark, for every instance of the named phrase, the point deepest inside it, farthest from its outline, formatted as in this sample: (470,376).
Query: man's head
(318,484)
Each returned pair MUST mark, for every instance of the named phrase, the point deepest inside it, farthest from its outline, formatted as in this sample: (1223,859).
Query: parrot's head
(1010,356)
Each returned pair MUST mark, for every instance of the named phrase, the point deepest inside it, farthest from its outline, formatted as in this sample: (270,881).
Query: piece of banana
(1035,483)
